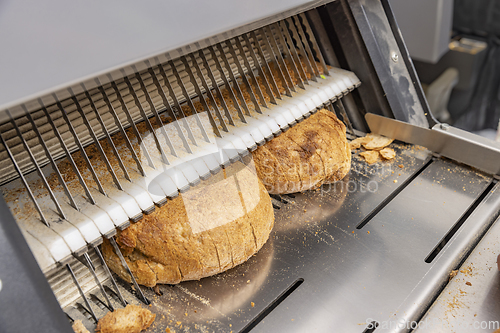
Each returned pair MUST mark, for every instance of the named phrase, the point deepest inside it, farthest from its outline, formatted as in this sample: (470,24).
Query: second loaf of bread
(309,154)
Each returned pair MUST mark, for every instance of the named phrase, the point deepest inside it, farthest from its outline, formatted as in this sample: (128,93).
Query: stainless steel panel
(470,302)
(371,276)
(51,46)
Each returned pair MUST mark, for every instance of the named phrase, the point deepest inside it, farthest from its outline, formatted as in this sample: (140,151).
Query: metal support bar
(124,263)
(286,50)
(281,66)
(25,183)
(37,167)
(271,80)
(215,85)
(132,124)
(243,76)
(260,70)
(68,154)
(236,104)
(314,43)
(51,160)
(177,105)
(305,43)
(207,91)
(108,272)
(90,266)
(146,120)
(108,136)
(339,107)
(293,51)
(300,47)
(82,294)
(122,131)
(156,115)
(169,110)
(97,143)
(189,101)
(200,97)
(82,149)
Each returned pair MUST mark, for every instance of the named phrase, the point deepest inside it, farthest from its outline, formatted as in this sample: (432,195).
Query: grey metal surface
(469,303)
(443,139)
(391,69)
(349,275)
(372,277)
(22,283)
(49,46)
(426,26)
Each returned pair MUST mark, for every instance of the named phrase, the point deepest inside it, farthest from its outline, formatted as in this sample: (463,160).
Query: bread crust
(316,150)
(131,319)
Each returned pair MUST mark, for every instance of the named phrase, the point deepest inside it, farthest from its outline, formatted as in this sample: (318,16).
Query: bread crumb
(401,166)
(452,274)
(367,232)
(388,153)
(370,156)
(468,283)
(252,304)
(395,180)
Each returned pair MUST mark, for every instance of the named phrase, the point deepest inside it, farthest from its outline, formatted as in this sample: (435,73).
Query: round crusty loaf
(211,228)
(311,153)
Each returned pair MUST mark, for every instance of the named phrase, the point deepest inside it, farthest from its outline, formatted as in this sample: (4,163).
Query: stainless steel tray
(376,247)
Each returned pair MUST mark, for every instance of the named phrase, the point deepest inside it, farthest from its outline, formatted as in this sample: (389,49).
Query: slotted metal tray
(376,247)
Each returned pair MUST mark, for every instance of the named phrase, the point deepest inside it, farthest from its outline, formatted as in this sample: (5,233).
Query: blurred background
(455,48)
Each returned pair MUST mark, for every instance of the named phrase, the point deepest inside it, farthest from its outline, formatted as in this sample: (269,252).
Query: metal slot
(272,306)
(279,198)
(371,327)
(85,312)
(391,196)
(433,254)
